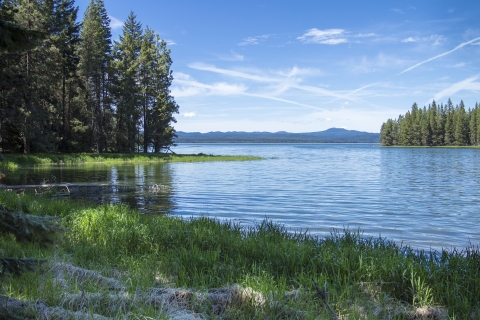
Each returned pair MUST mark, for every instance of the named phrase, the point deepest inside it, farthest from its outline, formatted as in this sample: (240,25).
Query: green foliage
(68,90)
(436,126)
(363,275)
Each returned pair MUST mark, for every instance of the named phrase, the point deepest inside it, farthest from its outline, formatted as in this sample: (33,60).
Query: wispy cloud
(254,40)
(440,55)
(327,36)
(295,71)
(185,85)
(233,56)
(284,82)
(115,23)
(397,10)
(232,73)
(364,35)
(436,39)
(189,114)
(467,84)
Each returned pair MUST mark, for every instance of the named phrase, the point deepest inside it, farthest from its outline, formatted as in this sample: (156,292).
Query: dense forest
(437,125)
(65,86)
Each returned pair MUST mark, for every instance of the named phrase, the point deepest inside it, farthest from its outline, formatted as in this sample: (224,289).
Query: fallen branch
(324,296)
(11,308)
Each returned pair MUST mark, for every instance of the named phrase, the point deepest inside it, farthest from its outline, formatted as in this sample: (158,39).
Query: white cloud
(365,35)
(254,40)
(467,84)
(283,82)
(189,114)
(460,64)
(295,71)
(327,36)
(185,85)
(410,39)
(115,23)
(232,73)
(436,39)
(171,42)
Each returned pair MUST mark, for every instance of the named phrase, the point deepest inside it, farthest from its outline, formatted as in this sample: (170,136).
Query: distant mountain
(332,135)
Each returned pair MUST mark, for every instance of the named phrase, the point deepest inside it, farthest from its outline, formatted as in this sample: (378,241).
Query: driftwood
(71,186)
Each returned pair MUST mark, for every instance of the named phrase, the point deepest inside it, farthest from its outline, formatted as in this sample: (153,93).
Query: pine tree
(449,124)
(473,126)
(128,95)
(162,119)
(461,125)
(64,33)
(91,124)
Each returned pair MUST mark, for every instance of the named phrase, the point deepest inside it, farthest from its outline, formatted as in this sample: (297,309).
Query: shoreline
(264,270)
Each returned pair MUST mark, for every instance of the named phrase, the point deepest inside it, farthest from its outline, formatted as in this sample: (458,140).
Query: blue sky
(308,66)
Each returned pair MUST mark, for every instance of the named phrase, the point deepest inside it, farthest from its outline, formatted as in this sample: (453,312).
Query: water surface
(423,197)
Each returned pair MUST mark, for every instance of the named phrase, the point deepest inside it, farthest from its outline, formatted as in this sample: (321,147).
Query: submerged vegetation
(116,263)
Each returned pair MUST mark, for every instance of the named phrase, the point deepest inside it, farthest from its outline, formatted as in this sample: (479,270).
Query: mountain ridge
(332,135)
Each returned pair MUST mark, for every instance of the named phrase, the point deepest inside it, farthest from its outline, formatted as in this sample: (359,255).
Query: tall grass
(368,278)
(12,160)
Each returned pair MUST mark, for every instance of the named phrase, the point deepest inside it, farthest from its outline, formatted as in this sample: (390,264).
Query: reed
(263,271)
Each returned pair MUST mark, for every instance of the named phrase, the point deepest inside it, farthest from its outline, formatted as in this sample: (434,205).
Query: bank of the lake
(117,263)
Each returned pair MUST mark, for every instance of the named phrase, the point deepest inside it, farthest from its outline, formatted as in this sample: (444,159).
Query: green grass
(13,160)
(367,278)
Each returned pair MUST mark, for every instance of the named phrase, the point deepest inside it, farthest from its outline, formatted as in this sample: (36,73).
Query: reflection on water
(423,197)
(133,185)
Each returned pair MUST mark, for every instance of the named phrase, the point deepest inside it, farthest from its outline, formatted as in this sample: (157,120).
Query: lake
(423,197)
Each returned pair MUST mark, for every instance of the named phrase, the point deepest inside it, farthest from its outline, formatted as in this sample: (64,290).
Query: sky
(306,66)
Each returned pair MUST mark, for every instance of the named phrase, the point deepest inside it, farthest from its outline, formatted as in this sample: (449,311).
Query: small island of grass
(15,160)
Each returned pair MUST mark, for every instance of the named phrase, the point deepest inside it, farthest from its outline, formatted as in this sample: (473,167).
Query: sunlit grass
(12,160)
(367,278)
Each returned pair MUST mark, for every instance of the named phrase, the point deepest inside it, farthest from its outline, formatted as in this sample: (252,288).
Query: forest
(66,86)
(437,125)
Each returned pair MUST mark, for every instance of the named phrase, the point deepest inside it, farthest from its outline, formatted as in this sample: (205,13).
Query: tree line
(437,125)
(65,86)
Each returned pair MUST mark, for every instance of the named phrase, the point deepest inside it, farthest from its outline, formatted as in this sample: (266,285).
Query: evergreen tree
(92,120)
(128,97)
(64,33)
(461,125)
(162,119)
(449,124)
(473,126)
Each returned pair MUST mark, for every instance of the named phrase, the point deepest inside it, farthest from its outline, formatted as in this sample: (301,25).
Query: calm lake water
(423,197)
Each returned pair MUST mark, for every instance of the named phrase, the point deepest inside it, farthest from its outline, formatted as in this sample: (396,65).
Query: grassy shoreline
(260,272)
(15,160)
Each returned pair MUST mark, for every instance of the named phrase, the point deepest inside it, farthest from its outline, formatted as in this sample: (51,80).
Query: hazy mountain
(332,135)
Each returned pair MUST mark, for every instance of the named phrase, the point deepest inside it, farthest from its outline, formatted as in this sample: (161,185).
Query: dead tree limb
(324,296)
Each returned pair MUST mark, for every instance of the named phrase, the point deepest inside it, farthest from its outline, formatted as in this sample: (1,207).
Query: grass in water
(14,160)
(116,263)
